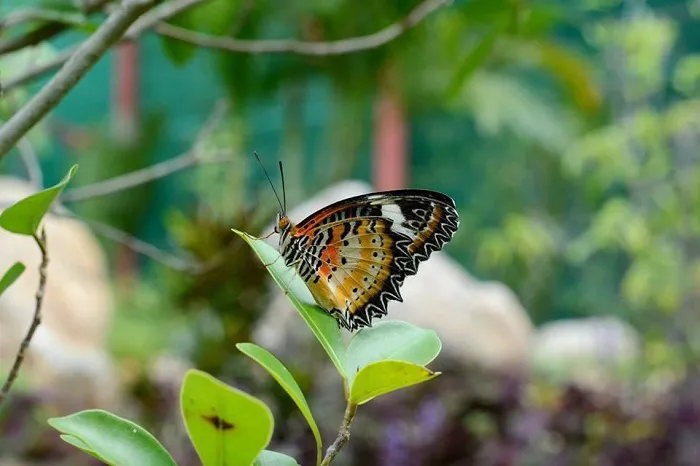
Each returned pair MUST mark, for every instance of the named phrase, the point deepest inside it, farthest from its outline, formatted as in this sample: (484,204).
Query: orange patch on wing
(329,256)
(429,230)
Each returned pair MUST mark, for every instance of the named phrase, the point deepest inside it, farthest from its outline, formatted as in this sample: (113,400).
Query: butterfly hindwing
(355,254)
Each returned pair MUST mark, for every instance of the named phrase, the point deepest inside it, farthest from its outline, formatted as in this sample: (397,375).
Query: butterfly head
(282,224)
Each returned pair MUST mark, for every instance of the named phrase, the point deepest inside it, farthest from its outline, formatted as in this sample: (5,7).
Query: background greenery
(566,131)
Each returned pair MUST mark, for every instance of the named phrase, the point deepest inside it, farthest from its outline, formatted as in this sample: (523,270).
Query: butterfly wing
(359,251)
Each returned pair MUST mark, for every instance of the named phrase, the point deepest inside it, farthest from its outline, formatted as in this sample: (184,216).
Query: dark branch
(36,321)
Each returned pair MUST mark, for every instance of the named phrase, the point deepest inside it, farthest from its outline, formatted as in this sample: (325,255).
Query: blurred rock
(479,323)
(591,352)
(67,359)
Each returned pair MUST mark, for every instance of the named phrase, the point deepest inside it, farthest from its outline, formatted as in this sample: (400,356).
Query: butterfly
(355,254)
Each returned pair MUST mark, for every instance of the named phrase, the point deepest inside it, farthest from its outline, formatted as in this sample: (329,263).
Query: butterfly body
(354,254)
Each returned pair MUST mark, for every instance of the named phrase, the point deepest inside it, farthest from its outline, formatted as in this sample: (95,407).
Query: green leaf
(11,276)
(393,340)
(282,375)
(387,376)
(112,439)
(179,52)
(227,426)
(80,445)
(473,58)
(25,216)
(272,458)
(322,324)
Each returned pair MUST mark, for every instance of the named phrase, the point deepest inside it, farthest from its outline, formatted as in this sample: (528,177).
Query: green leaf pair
(227,427)
(392,347)
(24,218)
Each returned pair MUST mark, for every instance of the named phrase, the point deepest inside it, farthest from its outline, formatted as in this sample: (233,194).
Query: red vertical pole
(125,118)
(125,89)
(389,158)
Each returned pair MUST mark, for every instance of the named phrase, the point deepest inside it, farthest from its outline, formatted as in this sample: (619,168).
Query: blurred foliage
(567,132)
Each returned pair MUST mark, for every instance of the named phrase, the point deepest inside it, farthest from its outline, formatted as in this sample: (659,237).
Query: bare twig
(40,70)
(138,177)
(31,163)
(75,68)
(161,13)
(47,31)
(147,21)
(338,47)
(174,262)
(36,321)
(343,434)
(157,171)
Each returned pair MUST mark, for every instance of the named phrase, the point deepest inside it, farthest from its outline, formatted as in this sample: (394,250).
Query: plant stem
(19,358)
(337,47)
(343,434)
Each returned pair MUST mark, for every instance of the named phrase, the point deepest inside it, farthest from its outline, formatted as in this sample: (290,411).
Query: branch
(343,434)
(161,13)
(47,31)
(170,260)
(138,177)
(31,163)
(19,359)
(40,70)
(338,47)
(146,22)
(75,68)
(157,171)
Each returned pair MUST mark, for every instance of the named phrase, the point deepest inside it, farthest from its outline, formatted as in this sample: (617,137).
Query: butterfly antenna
(284,191)
(270,180)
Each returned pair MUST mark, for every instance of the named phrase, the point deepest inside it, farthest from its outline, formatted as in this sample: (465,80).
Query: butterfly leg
(272,263)
(289,284)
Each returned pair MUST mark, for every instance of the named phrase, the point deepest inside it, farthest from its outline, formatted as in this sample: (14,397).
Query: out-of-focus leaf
(571,70)
(227,427)
(473,58)
(114,440)
(286,380)
(503,104)
(12,274)
(384,377)
(391,340)
(272,458)
(686,76)
(215,17)
(323,326)
(25,216)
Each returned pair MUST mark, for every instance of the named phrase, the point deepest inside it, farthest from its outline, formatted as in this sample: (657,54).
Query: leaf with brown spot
(227,426)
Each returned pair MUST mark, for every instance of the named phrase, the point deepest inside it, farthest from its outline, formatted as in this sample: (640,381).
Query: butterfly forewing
(355,254)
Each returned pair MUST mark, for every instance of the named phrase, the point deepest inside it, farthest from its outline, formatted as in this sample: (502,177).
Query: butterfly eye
(282,223)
